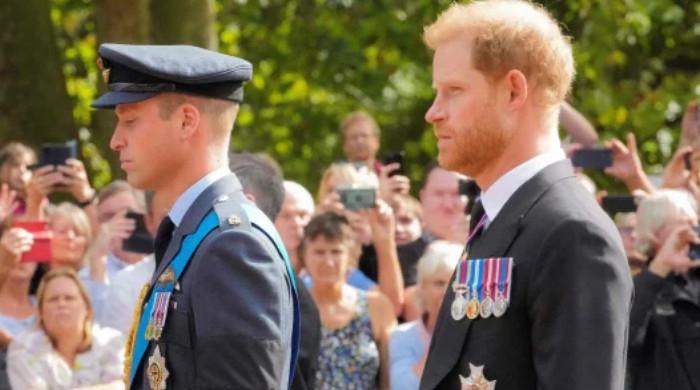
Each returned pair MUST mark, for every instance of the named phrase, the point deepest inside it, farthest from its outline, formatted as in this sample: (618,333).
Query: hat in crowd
(138,72)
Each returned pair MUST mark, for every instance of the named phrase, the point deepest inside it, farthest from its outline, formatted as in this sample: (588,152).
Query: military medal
(156,371)
(159,310)
(503,273)
(459,287)
(472,309)
(487,302)
(476,380)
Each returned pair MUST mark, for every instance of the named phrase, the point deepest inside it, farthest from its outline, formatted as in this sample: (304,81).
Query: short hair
(438,256)
(359,116)
(300,191)
(260,175)
(511,34)
(655,209)
(117,187)
(76,215)
(73,276)
(13,152)
(333,227)
(222,112)
(408,203)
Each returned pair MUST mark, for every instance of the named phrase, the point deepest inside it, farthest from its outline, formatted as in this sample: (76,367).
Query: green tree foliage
(317,60)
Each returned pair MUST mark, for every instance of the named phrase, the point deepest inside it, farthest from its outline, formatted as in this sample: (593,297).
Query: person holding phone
(546,301)
(663,337)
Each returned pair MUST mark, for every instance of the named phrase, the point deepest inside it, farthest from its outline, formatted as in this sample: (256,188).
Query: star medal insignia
(476,380)
(157,373)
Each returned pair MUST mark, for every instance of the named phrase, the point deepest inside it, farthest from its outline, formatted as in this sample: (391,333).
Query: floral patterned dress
(349,356)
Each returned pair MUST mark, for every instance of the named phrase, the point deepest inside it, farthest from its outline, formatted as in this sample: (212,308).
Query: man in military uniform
(221,309)
(541,297)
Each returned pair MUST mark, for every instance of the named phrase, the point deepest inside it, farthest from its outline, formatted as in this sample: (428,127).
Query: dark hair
(260,176)
(331,226)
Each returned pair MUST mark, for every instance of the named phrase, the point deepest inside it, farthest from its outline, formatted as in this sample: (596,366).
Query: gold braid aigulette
(131,338)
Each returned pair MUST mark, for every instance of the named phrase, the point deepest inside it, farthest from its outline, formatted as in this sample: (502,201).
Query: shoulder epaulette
(230,213)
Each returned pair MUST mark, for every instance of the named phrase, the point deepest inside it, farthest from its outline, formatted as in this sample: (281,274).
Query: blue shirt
(356,279)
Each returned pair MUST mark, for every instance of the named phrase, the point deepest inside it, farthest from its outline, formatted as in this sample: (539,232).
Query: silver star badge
(476,379)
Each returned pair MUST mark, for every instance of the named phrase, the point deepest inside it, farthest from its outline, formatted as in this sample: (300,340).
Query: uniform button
(222,198)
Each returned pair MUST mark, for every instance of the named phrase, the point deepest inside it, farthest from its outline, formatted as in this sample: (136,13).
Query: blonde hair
(655,209)
(511,34)
(439,256)
(40,296)
(76,215)
(344,173)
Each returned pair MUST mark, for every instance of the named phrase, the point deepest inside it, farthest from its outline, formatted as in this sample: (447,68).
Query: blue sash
(189,245)
(262,222)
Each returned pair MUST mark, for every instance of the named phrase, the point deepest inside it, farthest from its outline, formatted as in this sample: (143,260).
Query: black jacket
(566,326)
(664,350)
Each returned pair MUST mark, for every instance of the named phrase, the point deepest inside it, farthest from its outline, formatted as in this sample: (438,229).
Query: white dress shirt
(496,196)
(183,203)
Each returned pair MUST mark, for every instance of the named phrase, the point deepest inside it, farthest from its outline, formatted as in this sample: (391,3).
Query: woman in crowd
(408,347)
(356,325)
(65,350)
(664,341)
(374,235)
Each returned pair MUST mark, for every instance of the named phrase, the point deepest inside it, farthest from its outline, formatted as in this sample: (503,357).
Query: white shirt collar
(183,203)
(502,189)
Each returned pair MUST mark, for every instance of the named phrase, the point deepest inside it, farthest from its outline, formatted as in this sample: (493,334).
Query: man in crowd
(361,139)
(543,293)
(297,210)
(221,310)
(262,182)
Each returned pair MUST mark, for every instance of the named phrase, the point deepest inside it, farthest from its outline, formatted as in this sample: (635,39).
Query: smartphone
(395,157)
(357,198)
(57,154)
(613,204)
(140,240)
(594,158)
(694,249)
(41,249)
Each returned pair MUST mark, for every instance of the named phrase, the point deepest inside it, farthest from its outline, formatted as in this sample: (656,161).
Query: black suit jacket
(229,325)
(566,326)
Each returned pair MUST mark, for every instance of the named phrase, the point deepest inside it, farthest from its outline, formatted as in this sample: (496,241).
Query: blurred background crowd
(374,259)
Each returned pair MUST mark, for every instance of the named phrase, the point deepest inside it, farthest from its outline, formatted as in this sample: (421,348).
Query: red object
(41,250)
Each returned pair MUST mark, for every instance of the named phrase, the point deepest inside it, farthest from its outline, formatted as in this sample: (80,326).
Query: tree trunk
(183,22)
(117,21)
(34,104)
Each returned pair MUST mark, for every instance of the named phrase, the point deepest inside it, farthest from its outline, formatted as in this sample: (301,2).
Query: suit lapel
(200,207)
(449,336)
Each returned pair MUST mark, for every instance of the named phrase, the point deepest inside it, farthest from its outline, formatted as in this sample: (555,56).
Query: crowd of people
(369,264)
(373,279)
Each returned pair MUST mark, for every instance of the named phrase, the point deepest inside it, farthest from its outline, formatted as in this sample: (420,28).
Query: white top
(123,292)
(183,203)
(502,189)
(32,363)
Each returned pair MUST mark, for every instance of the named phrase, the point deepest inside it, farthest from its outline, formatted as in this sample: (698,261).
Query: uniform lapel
(448,342)
(201,206)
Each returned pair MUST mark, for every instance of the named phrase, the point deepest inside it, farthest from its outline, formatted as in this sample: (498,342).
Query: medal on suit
(459,287)
(159,312)
(472,309)
(486,308)
(476,380)
(504,270)
(156,371)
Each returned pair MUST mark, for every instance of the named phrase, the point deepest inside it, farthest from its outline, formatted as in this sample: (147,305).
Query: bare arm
(580,129)
(383,324)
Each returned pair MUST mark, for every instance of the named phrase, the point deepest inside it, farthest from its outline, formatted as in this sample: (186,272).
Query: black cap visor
(113,98)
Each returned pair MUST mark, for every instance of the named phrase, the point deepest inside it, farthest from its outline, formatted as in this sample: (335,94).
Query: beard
(475,145)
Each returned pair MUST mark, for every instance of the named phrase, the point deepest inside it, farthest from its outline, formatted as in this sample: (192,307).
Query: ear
(190,118)
(250,197)
(516,85)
